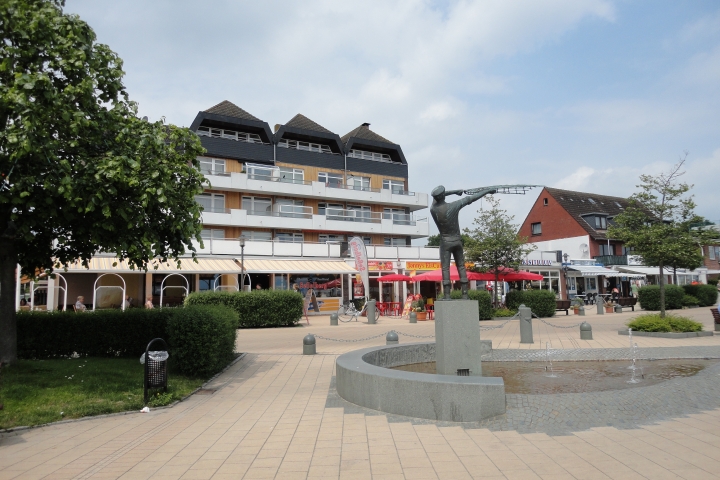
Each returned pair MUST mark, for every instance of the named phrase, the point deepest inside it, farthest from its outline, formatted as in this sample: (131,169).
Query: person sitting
(80,305)
(258,287)
(127,303)
(148,302)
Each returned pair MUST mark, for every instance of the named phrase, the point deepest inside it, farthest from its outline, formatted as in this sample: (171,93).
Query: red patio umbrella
(396,277)
(436,275)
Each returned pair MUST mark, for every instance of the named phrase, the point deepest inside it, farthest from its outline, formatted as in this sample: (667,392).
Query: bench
(716,315)
(562,305)
(625,302)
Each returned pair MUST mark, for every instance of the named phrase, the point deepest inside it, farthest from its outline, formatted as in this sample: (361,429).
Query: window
(395,186)
(590,283)
(606,249)
(598,222)
(397,215)
(324,238)
(292,175)
(334,180)
(257,236)
(717,253)
(383,157)
(211,166)
(229,134)
(627,250)
(360,213)
(711,252)
(257,205)
(545,202)
(536,228)
(335,208)
(394,242)
(358,183)
(284,237)
(214,234)
(307,146)
(261,172)
(286,207)
(211,202)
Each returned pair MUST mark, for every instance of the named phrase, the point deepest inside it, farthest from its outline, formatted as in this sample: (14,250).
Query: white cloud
(578,180)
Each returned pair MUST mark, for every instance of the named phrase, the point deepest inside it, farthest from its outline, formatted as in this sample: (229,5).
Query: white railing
(287,211)
(345,215)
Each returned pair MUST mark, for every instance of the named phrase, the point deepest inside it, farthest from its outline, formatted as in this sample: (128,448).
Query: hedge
(485,309)
(690,301)
(707,295)
(649,297)
(117,333)
(541,302)
(651,322)
(263,308)
(202,338)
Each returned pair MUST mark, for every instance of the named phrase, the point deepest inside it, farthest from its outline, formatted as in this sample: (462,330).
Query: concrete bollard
(600,306)
(582,311)
(371,312)
(333,319)
(309,344)
(413,317)
(585,331)
(618,308)
(526,333)
(391,338)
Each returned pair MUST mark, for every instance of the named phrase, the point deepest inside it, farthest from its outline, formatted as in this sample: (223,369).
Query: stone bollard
(582,311)
(413,317)
(618,308)
(600,306)
(371,312)
(309,344)
(526,333)
(333,319)
(391,338)
(585,331)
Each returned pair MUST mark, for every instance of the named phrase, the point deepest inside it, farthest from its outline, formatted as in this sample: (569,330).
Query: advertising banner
(375,266)
(359,253)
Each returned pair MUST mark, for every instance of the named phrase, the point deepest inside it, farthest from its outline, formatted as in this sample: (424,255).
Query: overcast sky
(578,94)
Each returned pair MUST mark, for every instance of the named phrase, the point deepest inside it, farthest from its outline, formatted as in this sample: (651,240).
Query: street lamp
(565,269)
(241,241)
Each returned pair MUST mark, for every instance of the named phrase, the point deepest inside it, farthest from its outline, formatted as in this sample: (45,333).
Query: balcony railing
(287,211)
(611,259)
(221,173)
(399,218)
(216,209)
(353,215)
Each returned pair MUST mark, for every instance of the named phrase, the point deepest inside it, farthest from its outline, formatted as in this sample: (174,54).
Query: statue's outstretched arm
(454,192)
(477,195)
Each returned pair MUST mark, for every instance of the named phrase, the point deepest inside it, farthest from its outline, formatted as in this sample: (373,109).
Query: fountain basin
(667,334)
(363,377)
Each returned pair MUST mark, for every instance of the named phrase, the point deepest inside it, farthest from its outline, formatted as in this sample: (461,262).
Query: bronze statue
(446,218)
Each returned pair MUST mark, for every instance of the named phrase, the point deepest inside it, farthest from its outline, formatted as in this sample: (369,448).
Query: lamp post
(565,269)
(241,241)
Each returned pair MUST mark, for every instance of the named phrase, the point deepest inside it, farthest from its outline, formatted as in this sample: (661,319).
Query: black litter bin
(156,370)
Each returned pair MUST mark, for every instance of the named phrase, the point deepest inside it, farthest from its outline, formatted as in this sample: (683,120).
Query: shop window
(211,202)
(536,228)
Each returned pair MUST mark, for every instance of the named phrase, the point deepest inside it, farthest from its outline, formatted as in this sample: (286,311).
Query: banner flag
(359,253)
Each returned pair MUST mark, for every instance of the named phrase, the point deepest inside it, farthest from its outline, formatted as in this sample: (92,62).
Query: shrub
(690,301)
(264,308)
(541,302)
(483,298)
(649,297)
(504,312)
(514,299)
(103,333)
(201,338)
(651,322)
(706,295)
(713,281)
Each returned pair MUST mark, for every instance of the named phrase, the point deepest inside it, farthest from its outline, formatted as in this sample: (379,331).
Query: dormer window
(229,134)
(307,146)
(383,157)
(598,222)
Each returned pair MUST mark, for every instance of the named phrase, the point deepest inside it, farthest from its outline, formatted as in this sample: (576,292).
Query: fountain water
(633,351)
(548,360)
(634,379)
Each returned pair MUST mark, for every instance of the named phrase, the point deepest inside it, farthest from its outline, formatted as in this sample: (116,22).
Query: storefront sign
(359,253)
(536,262)
(375,266)
(429,265)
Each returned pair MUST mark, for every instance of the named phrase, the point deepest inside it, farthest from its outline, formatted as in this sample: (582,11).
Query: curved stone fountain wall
(363,378)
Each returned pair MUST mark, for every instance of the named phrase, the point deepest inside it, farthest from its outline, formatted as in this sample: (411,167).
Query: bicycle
(348,311)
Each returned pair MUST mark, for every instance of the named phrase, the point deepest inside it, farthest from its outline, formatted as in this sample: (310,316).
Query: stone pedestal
(457,334)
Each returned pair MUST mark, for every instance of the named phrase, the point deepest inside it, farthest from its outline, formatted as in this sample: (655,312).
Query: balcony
(606,260)
(343,215)
(269,182)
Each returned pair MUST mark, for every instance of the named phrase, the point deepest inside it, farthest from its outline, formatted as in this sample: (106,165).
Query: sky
(584,95)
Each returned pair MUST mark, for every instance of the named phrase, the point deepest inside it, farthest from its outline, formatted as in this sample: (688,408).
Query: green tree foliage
(80,172)
(494,242)
(661,225)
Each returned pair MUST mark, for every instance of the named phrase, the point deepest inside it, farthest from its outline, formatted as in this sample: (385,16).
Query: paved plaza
(275,414)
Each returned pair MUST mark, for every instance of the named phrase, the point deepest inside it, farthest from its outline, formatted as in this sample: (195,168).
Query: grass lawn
(40,391)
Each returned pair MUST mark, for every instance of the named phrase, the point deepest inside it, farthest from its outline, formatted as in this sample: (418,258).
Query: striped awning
(591,271)
(187,265)
(254,265)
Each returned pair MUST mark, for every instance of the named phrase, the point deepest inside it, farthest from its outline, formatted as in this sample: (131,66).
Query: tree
(81,173)
(661,226)
(494,242)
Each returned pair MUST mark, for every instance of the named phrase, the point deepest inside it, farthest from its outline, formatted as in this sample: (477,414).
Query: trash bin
(156,370)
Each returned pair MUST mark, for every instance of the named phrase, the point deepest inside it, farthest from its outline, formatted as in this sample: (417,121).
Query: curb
(668,334)
(129,412)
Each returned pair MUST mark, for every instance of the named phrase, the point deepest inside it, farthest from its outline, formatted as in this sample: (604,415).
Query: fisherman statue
(446,218)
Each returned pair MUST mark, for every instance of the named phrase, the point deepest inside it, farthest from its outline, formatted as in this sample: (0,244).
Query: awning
(591,271)
(203,265)
(644,270)
(254,265)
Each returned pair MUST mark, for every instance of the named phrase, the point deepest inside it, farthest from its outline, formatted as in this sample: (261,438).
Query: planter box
(421,315)
(667,334)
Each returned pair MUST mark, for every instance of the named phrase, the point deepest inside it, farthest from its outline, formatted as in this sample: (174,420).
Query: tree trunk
(8,325)
(662,291)
(675,276)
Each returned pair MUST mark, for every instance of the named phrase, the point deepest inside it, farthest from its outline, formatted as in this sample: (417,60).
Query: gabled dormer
(301,133)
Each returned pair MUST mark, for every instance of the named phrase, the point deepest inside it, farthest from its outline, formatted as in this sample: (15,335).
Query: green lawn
(40,391)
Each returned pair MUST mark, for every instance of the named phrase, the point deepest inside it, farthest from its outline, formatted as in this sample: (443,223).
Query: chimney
(366,125)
